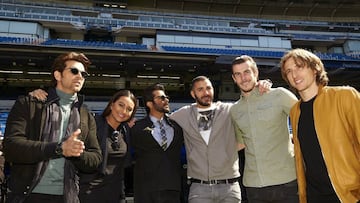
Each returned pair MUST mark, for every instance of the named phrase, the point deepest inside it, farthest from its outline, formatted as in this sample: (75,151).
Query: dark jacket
(155,169)
(102,134)
(26,153)
(92,185)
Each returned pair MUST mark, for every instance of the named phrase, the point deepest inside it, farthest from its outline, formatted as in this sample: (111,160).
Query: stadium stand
(170,42)
(66,25)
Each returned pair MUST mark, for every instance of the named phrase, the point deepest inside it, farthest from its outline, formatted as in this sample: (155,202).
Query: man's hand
(131,122)
(72,146)
(39,94)
(264,85)
(240,146)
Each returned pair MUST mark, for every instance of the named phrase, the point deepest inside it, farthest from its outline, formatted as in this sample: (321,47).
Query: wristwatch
(58,149)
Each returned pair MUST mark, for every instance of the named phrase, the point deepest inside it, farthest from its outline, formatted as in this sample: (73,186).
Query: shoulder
(340,91)
(28,102)
(235,106)
(280,90)
(223,105)
(99,119)
(142,123)
(84,110)
(174,123)
(87,117)
(146,119)
(185,108)
(181,111)
(283,93)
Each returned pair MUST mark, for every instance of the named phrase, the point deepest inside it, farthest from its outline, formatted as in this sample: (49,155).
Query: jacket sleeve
(22,133)
(351,100)
(91,158)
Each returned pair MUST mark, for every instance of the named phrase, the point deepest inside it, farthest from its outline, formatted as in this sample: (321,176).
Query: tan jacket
(337,125)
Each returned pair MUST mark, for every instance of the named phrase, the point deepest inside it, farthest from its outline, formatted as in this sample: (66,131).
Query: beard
(201,103)
(161,109)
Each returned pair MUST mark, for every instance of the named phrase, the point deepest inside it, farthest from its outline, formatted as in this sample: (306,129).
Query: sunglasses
(76,71)
(162,97)
(115,145)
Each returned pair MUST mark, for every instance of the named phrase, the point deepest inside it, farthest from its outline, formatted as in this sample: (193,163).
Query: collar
(254,93)
(321,89)
(211,107)
(155,120)
(53,97)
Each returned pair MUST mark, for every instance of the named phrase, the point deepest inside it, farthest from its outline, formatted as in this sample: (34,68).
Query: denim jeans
(217,193)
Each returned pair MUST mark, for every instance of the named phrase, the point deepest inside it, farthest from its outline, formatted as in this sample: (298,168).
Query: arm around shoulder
(21,140)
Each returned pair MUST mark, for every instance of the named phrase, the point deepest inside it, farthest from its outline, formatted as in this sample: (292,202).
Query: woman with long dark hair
(107,184)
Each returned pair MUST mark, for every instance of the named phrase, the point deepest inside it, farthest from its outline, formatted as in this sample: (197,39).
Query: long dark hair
(115,97)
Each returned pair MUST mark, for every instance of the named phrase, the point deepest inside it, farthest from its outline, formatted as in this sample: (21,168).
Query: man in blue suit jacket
(157,147)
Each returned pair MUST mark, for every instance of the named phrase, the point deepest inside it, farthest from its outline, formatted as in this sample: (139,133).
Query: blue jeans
(284,193)
(218,193)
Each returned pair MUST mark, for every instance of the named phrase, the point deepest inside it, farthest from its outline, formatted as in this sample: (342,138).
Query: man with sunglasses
(157,142)
(48,142)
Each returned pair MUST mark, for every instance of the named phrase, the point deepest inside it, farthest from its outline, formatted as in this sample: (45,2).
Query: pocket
(265,112)
(194,191)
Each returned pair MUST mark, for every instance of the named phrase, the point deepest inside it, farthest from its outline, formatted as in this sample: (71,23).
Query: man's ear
(57,75)
(233,77)
(149,104)
(192,94)
(256,74)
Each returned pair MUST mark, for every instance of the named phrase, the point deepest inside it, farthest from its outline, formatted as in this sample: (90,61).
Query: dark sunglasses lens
(115,133)
(75,71)
(84,74)
(163,97)
(115,140)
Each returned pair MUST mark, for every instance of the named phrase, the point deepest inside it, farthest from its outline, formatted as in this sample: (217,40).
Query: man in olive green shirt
(261,123)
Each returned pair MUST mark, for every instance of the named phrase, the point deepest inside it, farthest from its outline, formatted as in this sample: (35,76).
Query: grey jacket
(219,159)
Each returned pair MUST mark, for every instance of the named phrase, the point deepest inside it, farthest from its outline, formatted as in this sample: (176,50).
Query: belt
(214,182)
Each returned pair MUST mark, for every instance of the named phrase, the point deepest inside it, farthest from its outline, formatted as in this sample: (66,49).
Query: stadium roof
(329,10)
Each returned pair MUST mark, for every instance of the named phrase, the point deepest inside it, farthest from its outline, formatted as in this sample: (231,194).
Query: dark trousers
(241,154)
(284,193)
(164,196)
(44,198)
(112,192)
(323,198)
